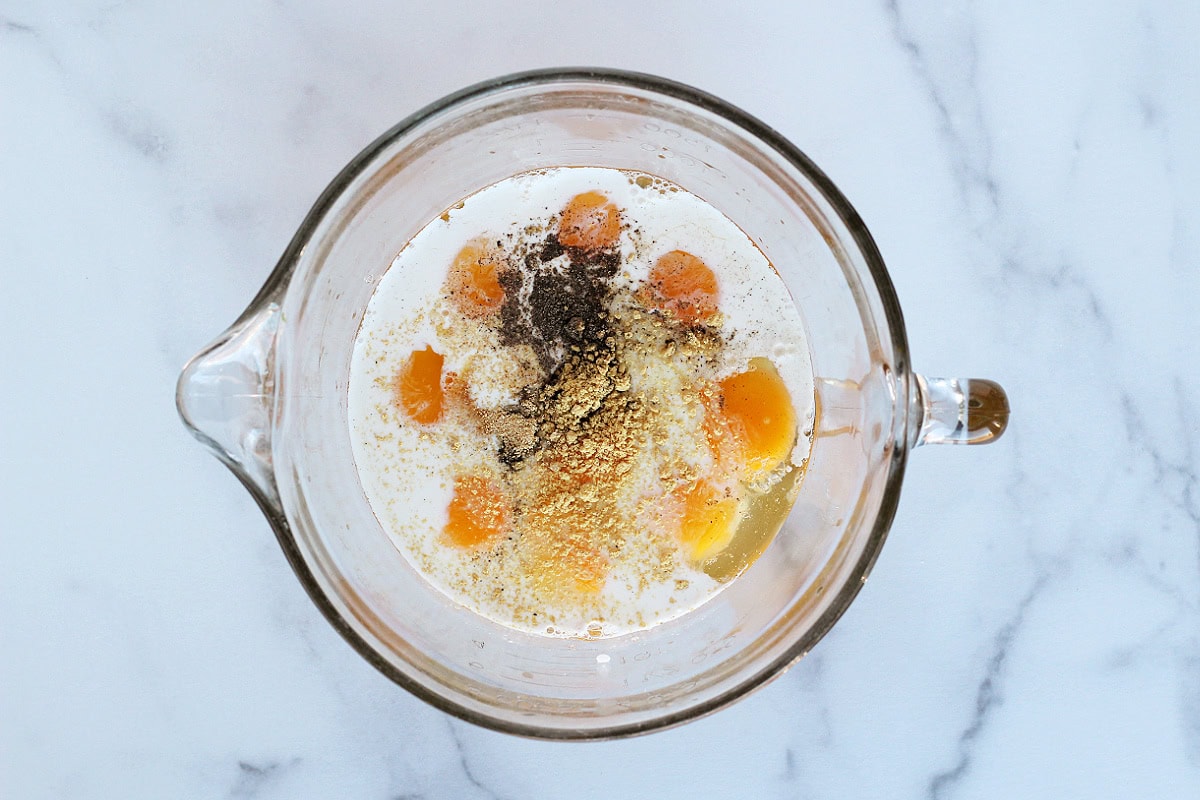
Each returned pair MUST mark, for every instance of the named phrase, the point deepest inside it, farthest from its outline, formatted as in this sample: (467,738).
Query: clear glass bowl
(269,398)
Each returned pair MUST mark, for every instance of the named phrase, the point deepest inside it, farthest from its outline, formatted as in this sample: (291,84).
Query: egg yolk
(474,282)
(478,513)
(707,519)
(684,285)
(419,386)
(590,222)
(577,565)
(758,409)
(560,557)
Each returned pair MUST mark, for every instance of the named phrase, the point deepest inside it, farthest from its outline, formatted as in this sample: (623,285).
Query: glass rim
(277,283)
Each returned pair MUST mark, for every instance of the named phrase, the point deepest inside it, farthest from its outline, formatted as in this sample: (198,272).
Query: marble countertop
(1029,171)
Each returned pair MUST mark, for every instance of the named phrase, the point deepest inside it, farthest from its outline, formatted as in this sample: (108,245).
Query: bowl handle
(226,398)
(958,411)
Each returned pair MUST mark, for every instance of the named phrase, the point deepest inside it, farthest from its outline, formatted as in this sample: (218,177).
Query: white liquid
(407,470)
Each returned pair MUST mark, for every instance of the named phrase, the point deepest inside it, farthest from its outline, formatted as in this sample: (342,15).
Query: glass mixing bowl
(268,397)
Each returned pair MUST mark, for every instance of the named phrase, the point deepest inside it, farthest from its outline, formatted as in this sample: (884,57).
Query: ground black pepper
(550,305)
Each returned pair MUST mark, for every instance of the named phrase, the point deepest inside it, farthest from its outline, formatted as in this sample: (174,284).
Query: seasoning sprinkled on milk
(580,401)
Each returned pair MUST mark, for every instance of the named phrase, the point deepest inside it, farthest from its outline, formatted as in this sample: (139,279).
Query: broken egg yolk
(590,221)
(419,386)
(683,284)
(708,519)
(478,514)
(758,410)
(473,283)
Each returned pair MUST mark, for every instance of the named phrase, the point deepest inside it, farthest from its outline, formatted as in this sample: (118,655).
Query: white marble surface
(1029,170)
